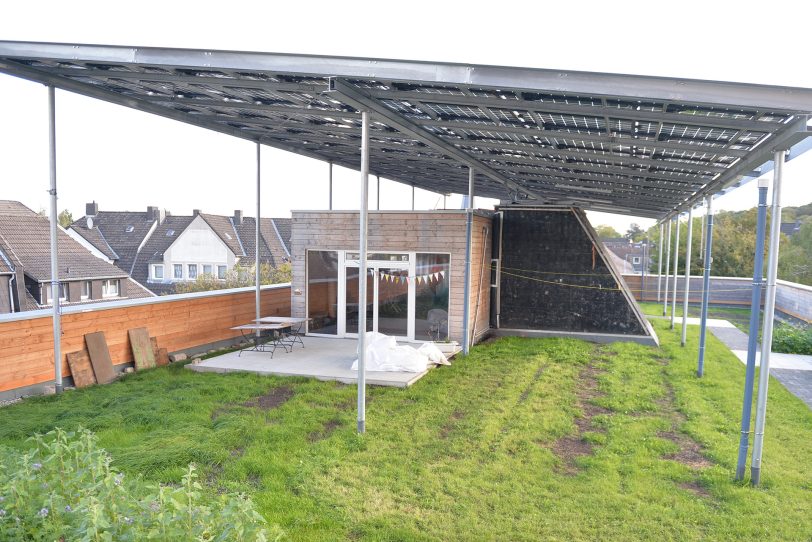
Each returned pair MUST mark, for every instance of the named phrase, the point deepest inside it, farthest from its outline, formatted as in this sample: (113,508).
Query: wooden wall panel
(437,231)
(26,346)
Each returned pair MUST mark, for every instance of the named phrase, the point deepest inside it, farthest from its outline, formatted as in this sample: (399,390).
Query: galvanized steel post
(362,273)
(687,276)
(660,263)
(676,264)
(466,307)
(769,317)
(667,266)
(257,270)
(55,289)
(752,343)
(703,320)
(330,181)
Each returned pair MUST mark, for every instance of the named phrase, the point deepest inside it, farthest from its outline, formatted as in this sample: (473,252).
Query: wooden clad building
(416,272)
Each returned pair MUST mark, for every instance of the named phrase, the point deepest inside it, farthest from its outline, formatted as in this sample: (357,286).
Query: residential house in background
(629,256)
(25,266)
(790,228)
(158,249)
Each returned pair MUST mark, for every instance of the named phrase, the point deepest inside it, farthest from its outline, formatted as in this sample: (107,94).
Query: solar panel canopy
(647,146)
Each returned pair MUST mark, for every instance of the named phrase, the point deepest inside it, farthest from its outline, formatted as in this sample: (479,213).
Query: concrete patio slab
(322,358)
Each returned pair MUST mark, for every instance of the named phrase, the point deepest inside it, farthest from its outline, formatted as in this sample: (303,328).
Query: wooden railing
(179,322)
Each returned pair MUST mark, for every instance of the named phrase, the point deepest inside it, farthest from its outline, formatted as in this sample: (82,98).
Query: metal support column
(466,310)
(752,343)
(703,320)
(55,289)
(676,265)
(412,197)
(701,240)
(330,180)
(378,194)
(362,273)
(660,264)
(667,267)
(769,317)
(687,276)
(257,266)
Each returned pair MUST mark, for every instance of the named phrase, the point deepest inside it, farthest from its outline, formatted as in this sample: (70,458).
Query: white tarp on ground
(384,354)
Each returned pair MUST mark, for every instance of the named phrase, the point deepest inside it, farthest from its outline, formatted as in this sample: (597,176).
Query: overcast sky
(126,160)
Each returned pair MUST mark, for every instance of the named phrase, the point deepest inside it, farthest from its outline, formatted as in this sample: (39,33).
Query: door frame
(376,265)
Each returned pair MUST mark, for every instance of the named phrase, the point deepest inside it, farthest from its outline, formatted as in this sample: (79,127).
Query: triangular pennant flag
(437,276)
(442,274)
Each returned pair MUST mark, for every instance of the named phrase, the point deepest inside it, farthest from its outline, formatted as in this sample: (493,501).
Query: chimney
(153,213)
(91,209)
(238,217)
(196,212)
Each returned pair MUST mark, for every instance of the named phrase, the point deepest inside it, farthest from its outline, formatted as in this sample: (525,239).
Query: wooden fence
(179,322)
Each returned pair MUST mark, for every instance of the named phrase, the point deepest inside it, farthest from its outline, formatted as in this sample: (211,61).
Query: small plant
(789,339)
(65,489)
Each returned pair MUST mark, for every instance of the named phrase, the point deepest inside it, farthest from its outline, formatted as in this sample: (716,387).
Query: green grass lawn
(526,439)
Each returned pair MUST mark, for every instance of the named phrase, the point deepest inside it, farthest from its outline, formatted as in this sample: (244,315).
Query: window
(221,272)
(636,259)
(206,269)
(177,271)
(110,288)
(192,271)
(431,296)
(322,291)
(85,290)
(62,293)
(158,272)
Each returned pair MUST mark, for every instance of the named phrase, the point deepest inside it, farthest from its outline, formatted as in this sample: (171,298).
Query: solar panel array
(599,151)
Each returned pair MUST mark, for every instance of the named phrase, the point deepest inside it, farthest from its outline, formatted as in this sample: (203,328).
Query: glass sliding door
(322,291)
(351,313)
(392,284)
(432,272)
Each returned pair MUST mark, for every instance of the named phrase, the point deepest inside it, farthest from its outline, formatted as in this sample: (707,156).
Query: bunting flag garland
(428,278)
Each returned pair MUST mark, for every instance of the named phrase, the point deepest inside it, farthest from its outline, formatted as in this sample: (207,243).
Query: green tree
(65,218)
(795,257)
(606,232)
(635,232)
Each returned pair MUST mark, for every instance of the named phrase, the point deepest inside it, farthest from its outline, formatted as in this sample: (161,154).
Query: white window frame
(63,292)
(175,267)
(189,268)
(635,259)
(225,270)
(86,285)
(106,286)
(155,268)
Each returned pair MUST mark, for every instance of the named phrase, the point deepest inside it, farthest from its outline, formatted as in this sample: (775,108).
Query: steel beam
(769,319)
(693,92)
(55,286)
(354,97)
(688,241)
(362,273)
(752,339)
(708,260)
(592,111)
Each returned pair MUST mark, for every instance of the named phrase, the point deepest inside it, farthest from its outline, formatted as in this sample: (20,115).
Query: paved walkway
(792,370)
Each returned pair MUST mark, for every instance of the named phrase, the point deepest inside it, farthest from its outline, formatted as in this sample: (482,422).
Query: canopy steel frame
(707,135)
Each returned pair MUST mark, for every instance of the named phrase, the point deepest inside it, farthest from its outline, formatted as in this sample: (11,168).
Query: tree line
(734,244)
